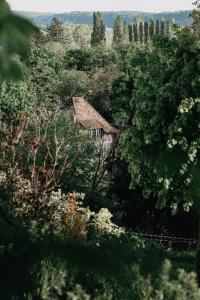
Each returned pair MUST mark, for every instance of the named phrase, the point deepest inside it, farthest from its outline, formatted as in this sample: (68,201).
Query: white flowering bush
(61,212)
(23,195)
(103,225)
(58,206)
(101,222)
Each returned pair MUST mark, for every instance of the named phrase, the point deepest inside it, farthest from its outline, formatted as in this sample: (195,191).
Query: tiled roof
(86,115)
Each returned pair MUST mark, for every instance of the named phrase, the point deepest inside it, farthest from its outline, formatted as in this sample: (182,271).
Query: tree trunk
(198,257)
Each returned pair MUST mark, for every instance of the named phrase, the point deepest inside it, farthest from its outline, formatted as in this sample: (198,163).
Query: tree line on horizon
(139,31)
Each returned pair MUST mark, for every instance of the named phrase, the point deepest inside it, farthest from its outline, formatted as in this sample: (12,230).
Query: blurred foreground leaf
(15,35)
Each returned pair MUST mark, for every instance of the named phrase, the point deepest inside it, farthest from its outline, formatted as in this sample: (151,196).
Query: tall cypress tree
(136,29)
(141,31)
(162,26)
(146,32)
(151,29)
(118,30)
(135,32)
(98,35)
(157,31)
(125,32)
(130,31)
(168,27)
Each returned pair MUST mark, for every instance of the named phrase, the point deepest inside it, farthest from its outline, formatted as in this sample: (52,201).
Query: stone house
(97,127)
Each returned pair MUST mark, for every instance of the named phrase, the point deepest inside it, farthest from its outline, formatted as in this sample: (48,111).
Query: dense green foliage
(15,97)
(62,200)
(90,60)
(164,138)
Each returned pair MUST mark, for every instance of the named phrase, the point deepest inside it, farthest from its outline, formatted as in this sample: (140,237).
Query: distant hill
(31,14)
(181,17)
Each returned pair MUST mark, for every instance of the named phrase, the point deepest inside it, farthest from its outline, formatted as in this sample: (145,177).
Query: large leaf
(15,33)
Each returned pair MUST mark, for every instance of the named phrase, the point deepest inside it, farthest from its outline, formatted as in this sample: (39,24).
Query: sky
(100,5)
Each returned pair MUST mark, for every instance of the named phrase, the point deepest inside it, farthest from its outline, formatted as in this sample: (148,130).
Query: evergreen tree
(135,32)
(141,31)
(136,26)
(118,30)
(151,29)
(157,31)
(162,26)
(168,27)
(146,32)
(98,35)
(125,32)
(130,31)
(55,31)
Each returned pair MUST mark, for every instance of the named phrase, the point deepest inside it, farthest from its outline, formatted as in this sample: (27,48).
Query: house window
(107,138)
(95,133)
